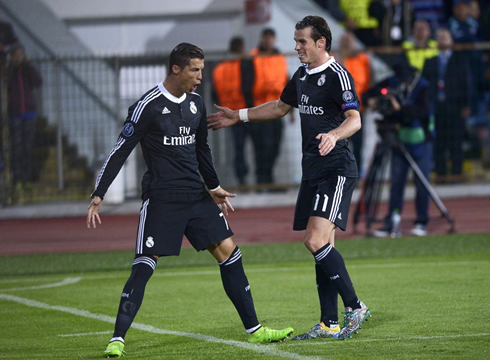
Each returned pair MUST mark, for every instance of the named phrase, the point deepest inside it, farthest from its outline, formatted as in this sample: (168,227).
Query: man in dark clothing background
(22,81)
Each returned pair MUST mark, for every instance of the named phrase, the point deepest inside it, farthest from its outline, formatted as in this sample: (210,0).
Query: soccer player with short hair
(323,91)
(169,122)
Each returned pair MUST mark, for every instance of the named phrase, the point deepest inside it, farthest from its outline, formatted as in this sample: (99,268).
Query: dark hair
(182,54)
(319,28)
(236,45)
(268,31)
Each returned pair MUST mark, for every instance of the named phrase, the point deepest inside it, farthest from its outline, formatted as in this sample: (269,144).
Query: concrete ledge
(242,201)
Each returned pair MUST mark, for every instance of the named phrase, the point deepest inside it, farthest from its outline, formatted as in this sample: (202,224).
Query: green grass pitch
(428,296)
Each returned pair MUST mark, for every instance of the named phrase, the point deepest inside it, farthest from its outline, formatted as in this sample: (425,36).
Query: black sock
(333,264)
(328,295)
(237,288)
(132,295)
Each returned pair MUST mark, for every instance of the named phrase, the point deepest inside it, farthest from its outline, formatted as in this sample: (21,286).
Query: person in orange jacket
(232,86)
(271,75)
(358,63)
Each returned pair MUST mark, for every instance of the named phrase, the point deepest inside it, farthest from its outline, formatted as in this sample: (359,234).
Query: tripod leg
(369,199)
(428,186)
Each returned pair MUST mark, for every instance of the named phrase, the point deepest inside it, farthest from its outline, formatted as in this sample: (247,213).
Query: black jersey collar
(169,96)
(321,67)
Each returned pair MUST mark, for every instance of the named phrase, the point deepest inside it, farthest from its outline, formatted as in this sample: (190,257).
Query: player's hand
(327,142)
(93,212)
(220,197)
(223,118)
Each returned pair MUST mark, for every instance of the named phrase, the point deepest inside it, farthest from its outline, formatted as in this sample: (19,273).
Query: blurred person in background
(409,122)
(449,77)
(22,81)
(232,85)
(360,20)
(479,121)
(464,29)
(420,46)
(8,38)
(358,63)
(270,76)
(435,12)
(394,17)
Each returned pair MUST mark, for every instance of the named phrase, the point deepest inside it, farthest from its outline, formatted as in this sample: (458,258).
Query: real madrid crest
(347,96)
(193,107)
(149,241)
(321,80)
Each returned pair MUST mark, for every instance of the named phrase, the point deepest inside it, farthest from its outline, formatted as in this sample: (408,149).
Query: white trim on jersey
(117,145)
(171,97)
(321,256)
(145,260)
(321,67)
(141,227)
(337,198)
(142,104)
(343,76)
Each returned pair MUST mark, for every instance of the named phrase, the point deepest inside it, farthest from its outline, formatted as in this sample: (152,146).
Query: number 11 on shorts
(325,202)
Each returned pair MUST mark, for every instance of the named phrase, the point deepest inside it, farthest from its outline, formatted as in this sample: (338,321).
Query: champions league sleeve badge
(128,130)
(321,80)
(347,96)
(193,107)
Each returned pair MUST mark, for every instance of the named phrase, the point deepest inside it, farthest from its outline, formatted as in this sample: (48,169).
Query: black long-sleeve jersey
(173,136)
(322,95)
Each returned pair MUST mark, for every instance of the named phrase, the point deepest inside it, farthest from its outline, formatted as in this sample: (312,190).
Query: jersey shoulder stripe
(343,76)
(142,104)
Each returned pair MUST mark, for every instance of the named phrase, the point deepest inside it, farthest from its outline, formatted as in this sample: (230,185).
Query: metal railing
(82,105)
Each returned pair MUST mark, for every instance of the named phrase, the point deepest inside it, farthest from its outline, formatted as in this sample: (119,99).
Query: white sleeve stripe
(344,78)
(343,74)
(118,144)
(142,103)
(141,227)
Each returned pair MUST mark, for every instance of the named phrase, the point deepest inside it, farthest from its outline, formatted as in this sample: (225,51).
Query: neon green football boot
(266,335)
(114,349)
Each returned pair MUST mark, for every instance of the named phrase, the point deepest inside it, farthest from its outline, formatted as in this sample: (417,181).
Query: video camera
(383,103)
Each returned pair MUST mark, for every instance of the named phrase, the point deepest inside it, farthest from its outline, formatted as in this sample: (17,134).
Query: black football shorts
(164,220)
(327,197)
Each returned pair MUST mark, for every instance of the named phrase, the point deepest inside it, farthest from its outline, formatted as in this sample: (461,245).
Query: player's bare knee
(313,244)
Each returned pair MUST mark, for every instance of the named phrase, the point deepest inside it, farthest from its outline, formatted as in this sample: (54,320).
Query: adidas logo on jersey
(340,216)
(165,111)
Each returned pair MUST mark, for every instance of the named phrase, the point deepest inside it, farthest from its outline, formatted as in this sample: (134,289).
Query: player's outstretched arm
(93,212)
(220,197)
(226,117)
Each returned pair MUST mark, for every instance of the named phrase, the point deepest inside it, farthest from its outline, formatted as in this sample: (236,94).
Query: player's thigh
(161,227)
(208,225)
(304,203)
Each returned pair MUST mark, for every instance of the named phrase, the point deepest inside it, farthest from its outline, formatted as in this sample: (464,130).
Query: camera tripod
(369,200)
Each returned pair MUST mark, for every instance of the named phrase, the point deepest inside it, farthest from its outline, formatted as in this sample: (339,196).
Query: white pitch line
(263,349)
(86,334)
(407,338)
(64,282)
